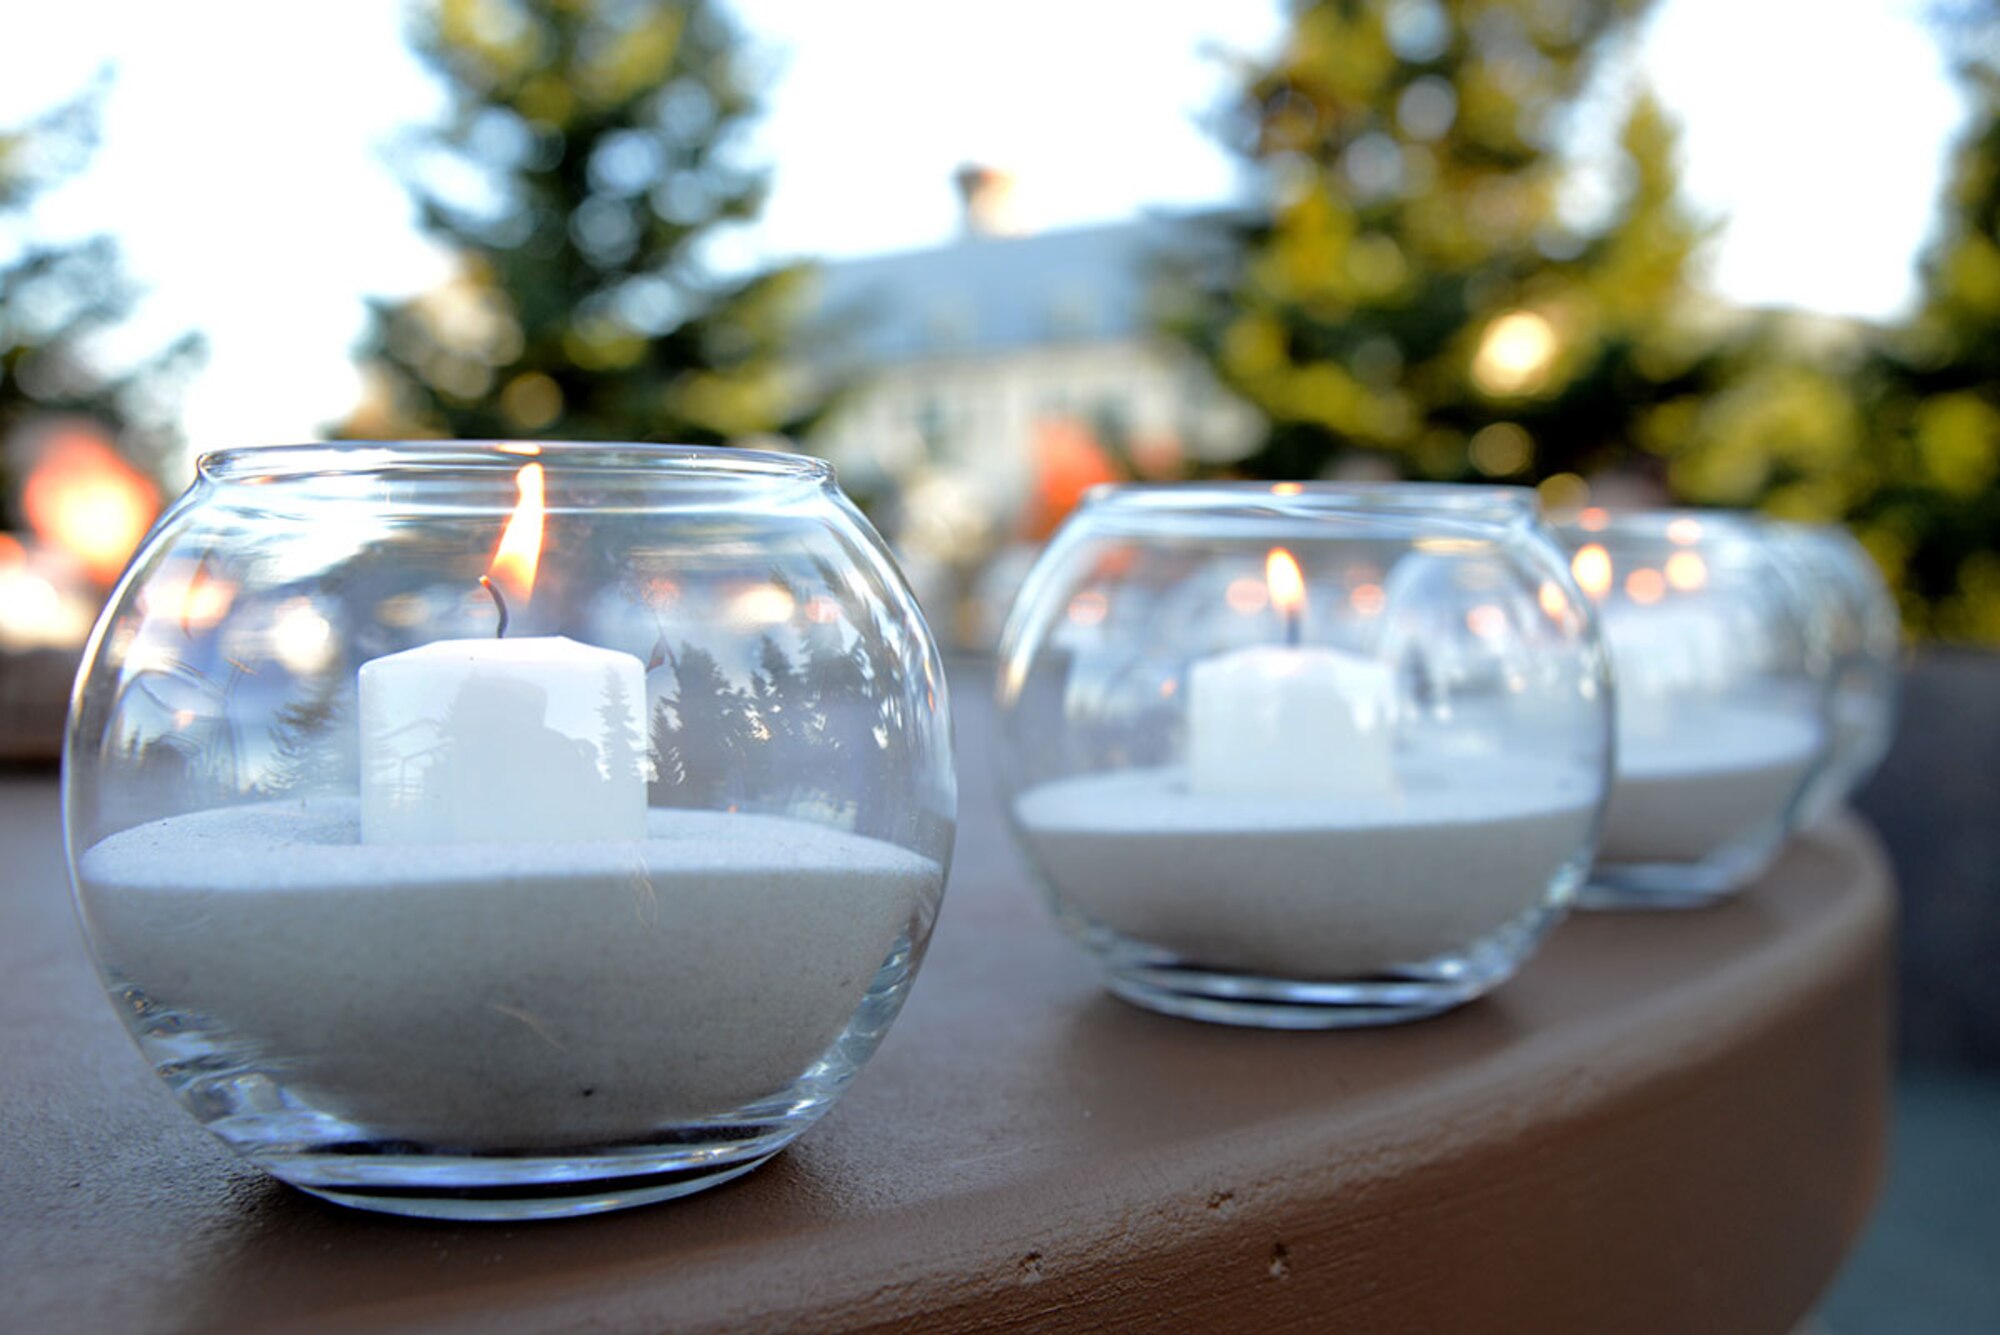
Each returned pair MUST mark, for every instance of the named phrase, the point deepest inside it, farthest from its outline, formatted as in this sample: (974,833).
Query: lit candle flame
(1288,590)
(520,550)
(1686,571)
(1592,567)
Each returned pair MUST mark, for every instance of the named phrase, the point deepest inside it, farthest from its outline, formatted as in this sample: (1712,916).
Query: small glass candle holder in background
(1304,755)
(509,831)
(1721,718)
(1855,635)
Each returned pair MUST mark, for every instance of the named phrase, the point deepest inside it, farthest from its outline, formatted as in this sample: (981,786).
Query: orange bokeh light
(82,498)
(1645,585)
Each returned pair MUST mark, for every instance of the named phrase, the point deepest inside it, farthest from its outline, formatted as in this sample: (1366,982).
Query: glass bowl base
(1667,885)
(1272,1003)
(1161,980)
(513,1189)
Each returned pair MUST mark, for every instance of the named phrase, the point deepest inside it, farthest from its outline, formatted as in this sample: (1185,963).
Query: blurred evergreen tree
(590,158)
(1932,519)
(313,749)
(1410,288)
(58,299)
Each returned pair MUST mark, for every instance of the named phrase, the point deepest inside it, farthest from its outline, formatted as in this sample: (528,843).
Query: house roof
(982,295)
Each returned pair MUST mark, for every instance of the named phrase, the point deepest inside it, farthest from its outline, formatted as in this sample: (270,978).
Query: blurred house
(998,377)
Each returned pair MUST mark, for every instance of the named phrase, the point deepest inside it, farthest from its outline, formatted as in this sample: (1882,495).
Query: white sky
(244,159)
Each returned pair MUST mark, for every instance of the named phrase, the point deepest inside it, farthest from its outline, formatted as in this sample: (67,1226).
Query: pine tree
(1409,288)
(1933,519)
(702,736)
(313,749)
(620,754)
(57,299)
(602,138)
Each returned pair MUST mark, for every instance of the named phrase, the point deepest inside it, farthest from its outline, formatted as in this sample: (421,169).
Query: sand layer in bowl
(504,995)
(1311,888)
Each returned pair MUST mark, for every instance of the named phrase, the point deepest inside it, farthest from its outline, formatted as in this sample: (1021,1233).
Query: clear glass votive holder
(1722,719)
(1854,634)
(1304,755)
(509,831)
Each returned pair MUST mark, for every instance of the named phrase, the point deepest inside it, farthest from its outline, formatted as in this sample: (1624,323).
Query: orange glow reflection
(1550,596)
(1593,519)
(1684,532)
(1645,585)
(1486,621)
(1368,599)
(520,550)
(1246,595)
(1287,489)
(194,598)
(1089,608)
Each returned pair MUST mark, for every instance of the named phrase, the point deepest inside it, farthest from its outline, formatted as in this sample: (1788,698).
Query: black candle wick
(486,582)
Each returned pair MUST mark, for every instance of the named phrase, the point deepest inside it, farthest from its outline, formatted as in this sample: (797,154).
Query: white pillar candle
(1282,720)
(532,740)
(1290,720)
(1660,657)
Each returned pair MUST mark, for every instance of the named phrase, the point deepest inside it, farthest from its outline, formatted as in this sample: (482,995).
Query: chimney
(987,196)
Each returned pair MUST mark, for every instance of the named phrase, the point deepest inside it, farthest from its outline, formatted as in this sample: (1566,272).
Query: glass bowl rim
(1454,497)
(1656,524)
(637,459)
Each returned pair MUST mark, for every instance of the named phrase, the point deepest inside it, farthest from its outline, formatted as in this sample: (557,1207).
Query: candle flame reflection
(1554,604)
(1592,567)
(1686,571)
(1089,608)
(520,550)
(1247,595)
(1645,585)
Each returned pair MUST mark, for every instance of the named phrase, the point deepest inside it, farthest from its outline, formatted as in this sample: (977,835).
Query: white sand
(1319,888)
(507,995)
(1718,777)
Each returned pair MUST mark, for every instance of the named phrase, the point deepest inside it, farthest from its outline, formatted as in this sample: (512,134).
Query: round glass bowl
(1721,714)
(1856,640)
(427,918)
(1304,756)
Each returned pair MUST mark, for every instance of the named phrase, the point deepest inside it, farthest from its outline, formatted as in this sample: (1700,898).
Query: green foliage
(1412,289)
(1933,517)
(57,299)
(590,152)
